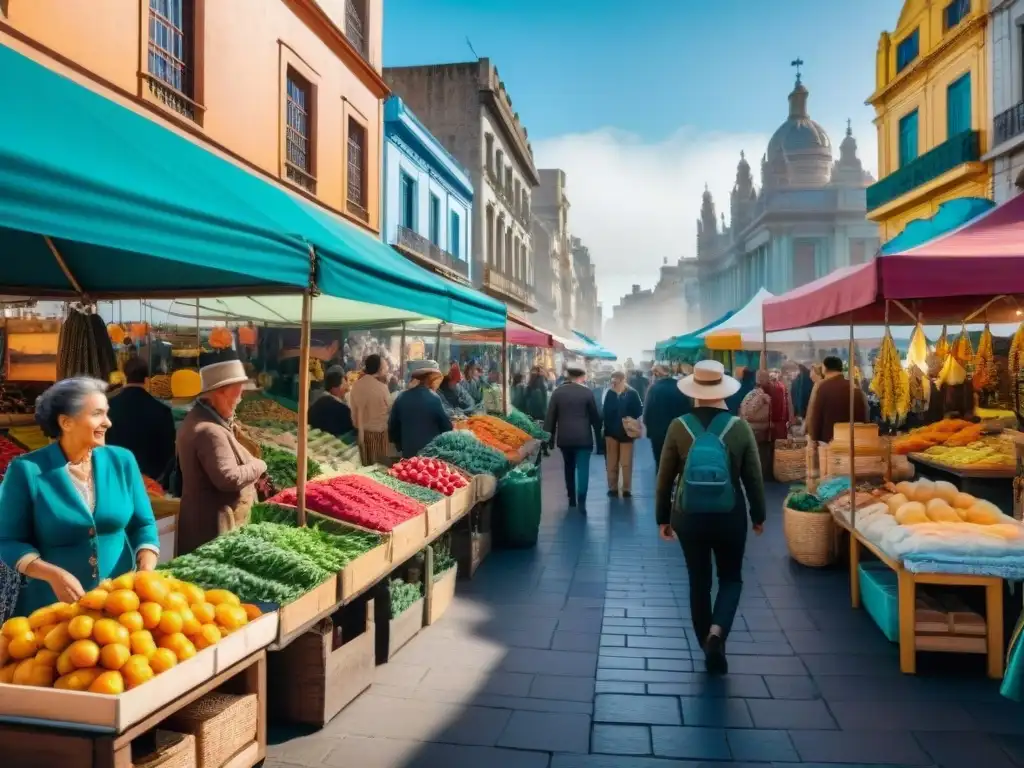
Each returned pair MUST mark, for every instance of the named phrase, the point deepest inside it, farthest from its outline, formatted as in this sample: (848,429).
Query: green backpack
(706,486)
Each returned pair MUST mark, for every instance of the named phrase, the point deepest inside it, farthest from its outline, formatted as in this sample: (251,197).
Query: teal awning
(594,350)
(134,209)
(691,341)
(951,215)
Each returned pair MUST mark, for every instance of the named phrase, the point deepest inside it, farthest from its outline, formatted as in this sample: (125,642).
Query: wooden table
(909,642)
(993,484)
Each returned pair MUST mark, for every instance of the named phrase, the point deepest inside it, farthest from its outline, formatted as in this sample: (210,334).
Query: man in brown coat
(218,474)
(830,403)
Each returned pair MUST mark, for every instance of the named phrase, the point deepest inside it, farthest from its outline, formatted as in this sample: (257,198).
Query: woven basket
(790,461)
(809,536)
(173,750)
(222,723)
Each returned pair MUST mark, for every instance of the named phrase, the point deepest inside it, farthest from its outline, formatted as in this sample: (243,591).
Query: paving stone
(792,687)
(390,753)
(622,708)
(690,743)
(896,749)
(891,715)
(608,686)
(550,662)
(787,714)
(621,662)
(766,665)
(671,665)
(562,687)
(547,732)
(716,712)
(964,750)
(621,739)
(643,676)
(666,643)
(500,683)
(761,746)
(575,641)
(646,653)
(735,687)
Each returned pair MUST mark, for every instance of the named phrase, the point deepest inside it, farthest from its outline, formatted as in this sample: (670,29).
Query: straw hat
(222,374)
(709,382)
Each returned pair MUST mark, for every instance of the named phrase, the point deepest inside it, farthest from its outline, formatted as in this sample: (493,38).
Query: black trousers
(720,539)
(656,446)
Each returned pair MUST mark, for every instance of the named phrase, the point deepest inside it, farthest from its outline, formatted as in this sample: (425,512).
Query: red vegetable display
(430,473)
(8,451)
(355,499)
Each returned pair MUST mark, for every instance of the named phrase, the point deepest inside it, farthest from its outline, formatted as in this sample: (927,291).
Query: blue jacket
(42,512)
(416,418)
(616,408)
(664,404)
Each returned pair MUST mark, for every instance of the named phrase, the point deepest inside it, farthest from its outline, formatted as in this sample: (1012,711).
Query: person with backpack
(713,456)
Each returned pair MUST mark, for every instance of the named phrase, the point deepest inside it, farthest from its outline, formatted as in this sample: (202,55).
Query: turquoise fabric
(1013,680)
(135,208)
(951,215)
(690,342)
(45,514)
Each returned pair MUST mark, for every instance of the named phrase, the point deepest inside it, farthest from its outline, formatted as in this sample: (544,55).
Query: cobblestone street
(579,655)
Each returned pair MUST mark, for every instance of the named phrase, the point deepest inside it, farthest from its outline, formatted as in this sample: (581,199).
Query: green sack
(517,508)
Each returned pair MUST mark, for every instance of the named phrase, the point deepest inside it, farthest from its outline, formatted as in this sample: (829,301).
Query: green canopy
(132,208)
(688,342)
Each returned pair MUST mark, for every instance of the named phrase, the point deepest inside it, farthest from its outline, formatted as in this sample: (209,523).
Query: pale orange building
(292,89)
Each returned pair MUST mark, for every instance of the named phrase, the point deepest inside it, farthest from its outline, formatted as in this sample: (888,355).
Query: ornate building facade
(807,218)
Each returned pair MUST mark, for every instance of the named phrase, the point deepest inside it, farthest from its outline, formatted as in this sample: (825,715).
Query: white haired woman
(75,512)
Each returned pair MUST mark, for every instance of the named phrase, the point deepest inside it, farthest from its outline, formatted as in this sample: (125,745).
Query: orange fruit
(7,672)
(17,626)
(67,611)
(23,672)
(136,671)
(59,637)
(151,587)
(42,632)
(81,679)
(252,611)
(121,601)
(218,596)
(231,616)
(83,653)
(80,627)
(181,645)
(175,601)
(107,631)
(23,646)
(193,593)
(64,663)
(46,658)
(107,584)
(108,682)
(132,621)
(41,676)
(151,613)
(61,683)
(125,581)
(162,660)
(94,600)
(5,656)
(114,656)
(42,616)
(142,643)
(189,623)
(209,634)
(205,613)
(170,622)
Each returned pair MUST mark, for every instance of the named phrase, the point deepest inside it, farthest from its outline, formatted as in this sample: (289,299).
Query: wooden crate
(440,593)
(408,538)
(363,572)
(437,518)
(70,744)
(393,633)
(313,679)
(297,614)
(459,503)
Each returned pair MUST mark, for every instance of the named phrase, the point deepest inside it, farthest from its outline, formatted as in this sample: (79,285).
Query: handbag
(10,588)
(631,427)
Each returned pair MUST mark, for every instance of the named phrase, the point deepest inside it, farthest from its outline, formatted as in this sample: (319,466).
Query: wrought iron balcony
(511,288)
(421,249)
(962,148)
(1008,124)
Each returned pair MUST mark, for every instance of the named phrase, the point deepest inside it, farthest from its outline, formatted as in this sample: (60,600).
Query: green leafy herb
(415,492)
(402,596)
(248,587)
(283,466)
(262,558)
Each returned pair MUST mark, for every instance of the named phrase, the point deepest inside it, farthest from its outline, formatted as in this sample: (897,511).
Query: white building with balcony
(1005,44)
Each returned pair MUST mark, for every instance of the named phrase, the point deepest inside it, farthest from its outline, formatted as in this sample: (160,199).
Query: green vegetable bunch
(248,587)
(443,560)
(402,596)
(802,500)
(415,492)
(517,418)
(262,558)
(283,466)
(331,544)
(465,451)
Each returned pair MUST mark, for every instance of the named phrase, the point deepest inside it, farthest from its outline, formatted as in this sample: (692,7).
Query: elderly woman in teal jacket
(75,512)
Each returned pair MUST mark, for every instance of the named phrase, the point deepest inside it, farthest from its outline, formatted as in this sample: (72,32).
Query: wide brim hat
(424,368)
(222,374)
(709,382)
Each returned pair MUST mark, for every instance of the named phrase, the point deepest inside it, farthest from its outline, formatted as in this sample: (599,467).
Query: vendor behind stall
(830,403)
(418,416)
(142,424)
(370,399)
(330,413)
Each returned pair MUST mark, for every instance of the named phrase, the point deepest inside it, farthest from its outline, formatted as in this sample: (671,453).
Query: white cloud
(635,203)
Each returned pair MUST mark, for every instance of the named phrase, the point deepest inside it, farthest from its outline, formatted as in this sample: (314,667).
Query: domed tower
(743,199)
(707,224)
(800,152)
(848,170)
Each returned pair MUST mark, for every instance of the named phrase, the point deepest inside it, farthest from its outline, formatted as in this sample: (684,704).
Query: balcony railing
(521,214)
(420,247)
(1008,124)
(962,148)
(510,287)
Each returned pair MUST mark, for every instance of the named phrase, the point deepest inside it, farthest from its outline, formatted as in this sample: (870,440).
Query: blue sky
(643,102)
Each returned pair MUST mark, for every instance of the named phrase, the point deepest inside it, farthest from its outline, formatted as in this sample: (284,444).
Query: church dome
(800,145)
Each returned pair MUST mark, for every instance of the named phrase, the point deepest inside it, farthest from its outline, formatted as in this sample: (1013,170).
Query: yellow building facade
(932,112)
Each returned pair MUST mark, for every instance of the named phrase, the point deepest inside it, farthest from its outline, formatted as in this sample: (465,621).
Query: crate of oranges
(124,649)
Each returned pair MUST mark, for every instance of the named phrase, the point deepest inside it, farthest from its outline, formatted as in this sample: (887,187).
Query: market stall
(972,274)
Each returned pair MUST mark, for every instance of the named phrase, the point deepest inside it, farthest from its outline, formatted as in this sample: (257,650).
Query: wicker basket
(809,536)
(790,461)
(222,724)
(173,750)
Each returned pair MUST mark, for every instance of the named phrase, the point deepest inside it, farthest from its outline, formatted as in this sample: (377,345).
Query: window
(908,138)
(435,220)
(171,54)
(455,235)
(907,50)
(489,149)
(355,25)
(958,106)
(299,131)
(956,11)
(356,182)
(499,164)
(407,201)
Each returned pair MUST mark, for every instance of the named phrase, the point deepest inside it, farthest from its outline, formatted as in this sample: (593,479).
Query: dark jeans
(656,446)
(723,537)
(576,463)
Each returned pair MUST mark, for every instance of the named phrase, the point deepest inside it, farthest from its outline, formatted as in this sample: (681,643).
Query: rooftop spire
(797,62)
